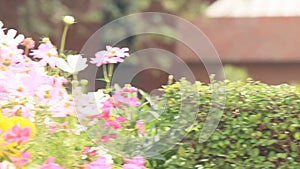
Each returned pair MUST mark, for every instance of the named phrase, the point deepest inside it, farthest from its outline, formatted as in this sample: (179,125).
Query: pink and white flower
(110,55)
(47,53)
(118,52)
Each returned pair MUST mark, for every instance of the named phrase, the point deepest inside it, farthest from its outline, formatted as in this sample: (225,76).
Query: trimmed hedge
(260,128)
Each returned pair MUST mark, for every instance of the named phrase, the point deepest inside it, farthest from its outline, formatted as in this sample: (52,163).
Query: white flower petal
(20,38)
(63,65)
(73,60)
(125,49)
(101,53)
(77,62)
(11,33)
(109,47)
(81,67)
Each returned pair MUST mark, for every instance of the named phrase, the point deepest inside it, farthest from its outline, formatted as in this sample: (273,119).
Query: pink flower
(115,51)
(100,163)
(23,160)
(110,55)
(47,53)
(102,58)
(108,105)
(19,88)
(137,162)
(63,108)
(130,89)
(108,138)
(122,98)
(141,127)
(88,151)
(133,166)
(115,123)
(49,164)
(18,134)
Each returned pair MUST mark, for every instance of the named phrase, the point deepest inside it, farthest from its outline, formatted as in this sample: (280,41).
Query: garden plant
(49,120)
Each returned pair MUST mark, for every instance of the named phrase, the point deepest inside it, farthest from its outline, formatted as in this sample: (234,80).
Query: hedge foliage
(259,128)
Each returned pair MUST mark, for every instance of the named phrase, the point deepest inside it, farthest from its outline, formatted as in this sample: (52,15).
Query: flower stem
(63,40)
(26,51)
(107,80)
(110,70)
(105,72)
(110,73)
(107,75)
(75,76)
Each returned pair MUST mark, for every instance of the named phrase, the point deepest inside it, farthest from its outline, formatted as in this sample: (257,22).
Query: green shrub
(259,128)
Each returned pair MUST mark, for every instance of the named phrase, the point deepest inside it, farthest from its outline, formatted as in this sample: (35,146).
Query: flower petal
(11,33)
(63,65)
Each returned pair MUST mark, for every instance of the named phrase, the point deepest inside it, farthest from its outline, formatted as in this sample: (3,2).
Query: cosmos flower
(18,134)
(74,64)
(47,53)
(110,55)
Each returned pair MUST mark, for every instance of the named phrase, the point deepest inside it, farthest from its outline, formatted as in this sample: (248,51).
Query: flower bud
(28,43)
(45,39)
(69,20)
(84,82)
(75,83)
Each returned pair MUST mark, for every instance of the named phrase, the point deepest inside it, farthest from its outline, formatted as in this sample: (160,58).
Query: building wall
(268,47)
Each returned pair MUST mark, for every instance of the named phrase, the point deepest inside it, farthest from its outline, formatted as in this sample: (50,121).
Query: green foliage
(259,128)
(235,73)
(65,146)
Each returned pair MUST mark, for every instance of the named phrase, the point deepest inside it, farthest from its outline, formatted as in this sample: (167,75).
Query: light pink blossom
(103,57)
(140,127)
(137,162)
(24,159)
(122,98)
(108,138)
(49,164)
(118,52)
(110,55)
(47,53)
(100,163)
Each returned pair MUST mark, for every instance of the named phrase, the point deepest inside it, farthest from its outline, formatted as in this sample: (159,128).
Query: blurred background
(254,38)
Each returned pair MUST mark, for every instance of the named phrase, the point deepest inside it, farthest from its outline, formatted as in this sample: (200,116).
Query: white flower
(11,38)
(90,104)
(74,64)
(7,165)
